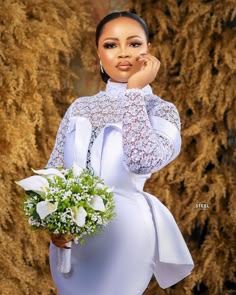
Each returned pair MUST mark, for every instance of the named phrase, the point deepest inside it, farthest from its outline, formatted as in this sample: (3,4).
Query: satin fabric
(142,240)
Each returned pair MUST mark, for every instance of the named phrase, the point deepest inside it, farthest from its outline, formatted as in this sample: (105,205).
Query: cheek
(141,50)
(107,56)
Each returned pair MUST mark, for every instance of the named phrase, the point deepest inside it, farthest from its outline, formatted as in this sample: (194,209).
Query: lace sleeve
(145,148)
(57,156)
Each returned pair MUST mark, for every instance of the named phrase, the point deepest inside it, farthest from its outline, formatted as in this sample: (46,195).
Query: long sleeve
(57,156)
(146,147)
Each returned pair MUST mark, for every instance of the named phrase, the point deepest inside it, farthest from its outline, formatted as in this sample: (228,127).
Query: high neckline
(115,88)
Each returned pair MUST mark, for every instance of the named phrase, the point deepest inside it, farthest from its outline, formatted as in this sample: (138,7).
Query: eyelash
(113,45)
(109,45)
(136,44)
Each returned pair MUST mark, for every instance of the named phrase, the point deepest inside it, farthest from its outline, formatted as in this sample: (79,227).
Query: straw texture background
(48,58)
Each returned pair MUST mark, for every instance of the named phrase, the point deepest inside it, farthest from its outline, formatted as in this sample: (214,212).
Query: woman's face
(120,44)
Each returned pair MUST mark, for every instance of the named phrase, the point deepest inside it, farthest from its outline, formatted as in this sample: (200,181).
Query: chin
(119,79)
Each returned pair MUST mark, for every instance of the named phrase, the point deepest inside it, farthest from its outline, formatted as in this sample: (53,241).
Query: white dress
(124,136)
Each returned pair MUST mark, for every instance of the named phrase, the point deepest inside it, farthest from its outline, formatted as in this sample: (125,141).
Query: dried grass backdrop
(38,41)
(195,41)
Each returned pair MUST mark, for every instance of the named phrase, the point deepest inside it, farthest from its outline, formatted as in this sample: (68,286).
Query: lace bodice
(95,132)
(145,150)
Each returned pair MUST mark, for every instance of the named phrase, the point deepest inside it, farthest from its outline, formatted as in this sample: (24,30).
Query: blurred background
(48,59)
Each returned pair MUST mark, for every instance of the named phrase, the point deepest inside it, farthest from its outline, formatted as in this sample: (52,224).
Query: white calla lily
(34,183)
(97,203)
(49,173)
(77,170)
(44,208)
(79,215)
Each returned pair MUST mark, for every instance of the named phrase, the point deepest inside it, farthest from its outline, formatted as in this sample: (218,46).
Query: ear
(98,54)
(149,47)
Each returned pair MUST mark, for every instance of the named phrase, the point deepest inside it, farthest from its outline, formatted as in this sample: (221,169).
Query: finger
(142,54)
(145,59)
(147,63)
(66,247)
(61,244)
(150,60)
(61,241)
(145,54)
(62,237)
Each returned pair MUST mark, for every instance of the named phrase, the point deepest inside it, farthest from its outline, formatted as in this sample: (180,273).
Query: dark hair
(112,16)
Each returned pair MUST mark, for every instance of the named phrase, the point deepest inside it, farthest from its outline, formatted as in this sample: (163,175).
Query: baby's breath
(68,193)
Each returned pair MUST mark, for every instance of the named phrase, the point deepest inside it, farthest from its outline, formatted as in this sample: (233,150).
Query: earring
(101,67)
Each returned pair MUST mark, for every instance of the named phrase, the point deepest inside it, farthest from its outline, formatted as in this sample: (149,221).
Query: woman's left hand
(149,68)
(61,240)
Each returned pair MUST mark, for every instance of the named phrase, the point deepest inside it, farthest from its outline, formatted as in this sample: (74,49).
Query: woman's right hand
(61,240)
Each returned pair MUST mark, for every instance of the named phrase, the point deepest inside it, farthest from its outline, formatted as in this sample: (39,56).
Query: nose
(124,53)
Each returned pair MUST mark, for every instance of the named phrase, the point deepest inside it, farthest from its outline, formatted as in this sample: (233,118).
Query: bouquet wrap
(64,258)
(67,202)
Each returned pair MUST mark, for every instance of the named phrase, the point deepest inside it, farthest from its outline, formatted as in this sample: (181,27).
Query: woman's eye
(109,45)
(135,44)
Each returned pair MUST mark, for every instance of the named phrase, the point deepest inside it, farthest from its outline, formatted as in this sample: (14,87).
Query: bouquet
(71,202)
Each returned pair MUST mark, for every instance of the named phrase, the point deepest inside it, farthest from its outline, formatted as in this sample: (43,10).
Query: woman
(124,134)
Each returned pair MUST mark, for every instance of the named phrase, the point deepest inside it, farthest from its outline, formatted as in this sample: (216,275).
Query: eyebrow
(117,39)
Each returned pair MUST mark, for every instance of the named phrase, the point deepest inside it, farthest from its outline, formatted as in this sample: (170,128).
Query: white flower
(100,186)
(76,240)
(110,189)
(97,203)
(79,215)
(44,208)
(49,173)
(77,170)
(67,194)
(34,183)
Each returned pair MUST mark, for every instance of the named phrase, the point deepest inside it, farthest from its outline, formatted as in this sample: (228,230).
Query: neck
(117,87)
